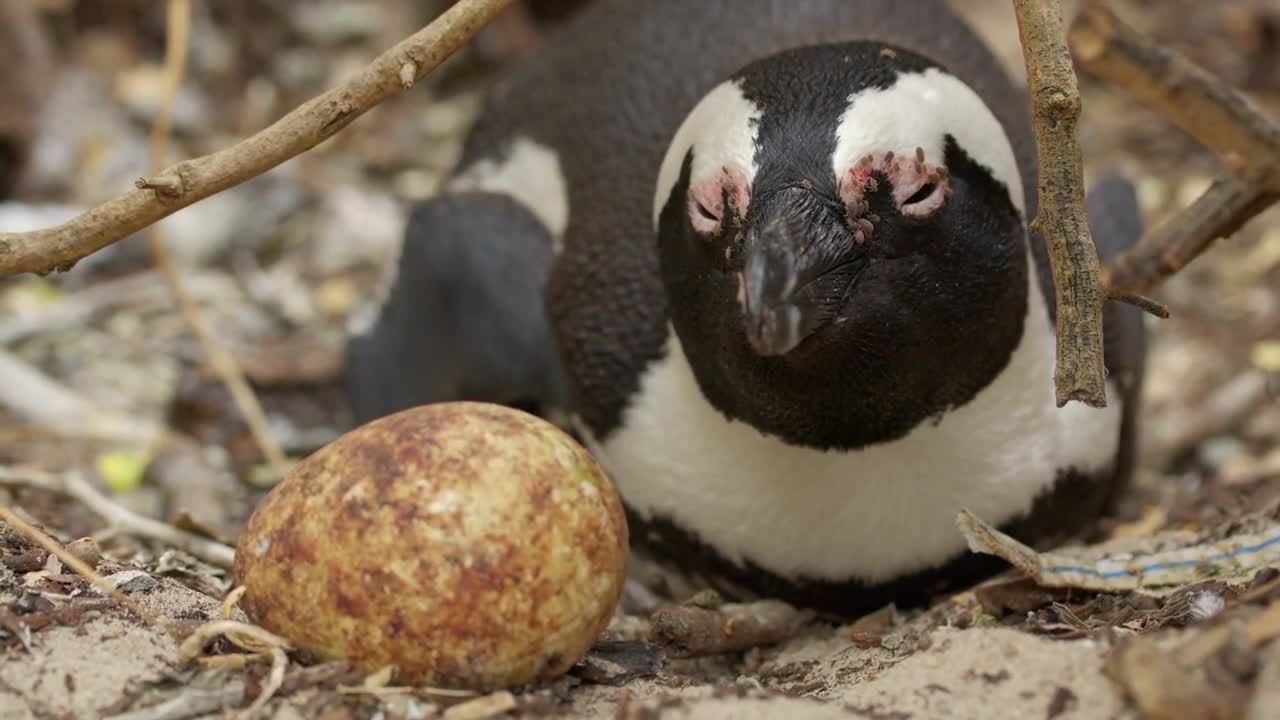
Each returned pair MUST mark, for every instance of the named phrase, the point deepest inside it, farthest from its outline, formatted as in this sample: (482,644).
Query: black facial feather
(803,94)
(895,331)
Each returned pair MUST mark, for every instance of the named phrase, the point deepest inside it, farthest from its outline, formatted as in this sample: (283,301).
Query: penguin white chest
(870,514)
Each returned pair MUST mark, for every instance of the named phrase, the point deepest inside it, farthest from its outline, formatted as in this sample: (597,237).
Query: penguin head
(842,243)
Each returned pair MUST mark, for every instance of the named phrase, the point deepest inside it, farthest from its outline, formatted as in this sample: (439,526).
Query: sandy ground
(280,265)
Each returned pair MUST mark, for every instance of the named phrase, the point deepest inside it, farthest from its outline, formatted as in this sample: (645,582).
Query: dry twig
(248,637)
(1210,673)
(178,32)
(59,248)
(55,548)
(74,485)
(1055,100)
(279,663)
(1207,109)
(1221,118)
(258,642)
(687,631)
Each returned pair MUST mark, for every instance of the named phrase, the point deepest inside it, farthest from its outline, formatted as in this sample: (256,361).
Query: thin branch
(116,516)
(259,642)
(275,679)
(1148,305)
(248,637)
(1055,100)
(1207,109)
(1222,210)
(224,365)
(55,548)
(59,248)
(177,41)
(1192,98)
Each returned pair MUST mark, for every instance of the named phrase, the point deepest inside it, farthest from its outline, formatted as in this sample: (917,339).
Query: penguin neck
(1031,358)
(876,382)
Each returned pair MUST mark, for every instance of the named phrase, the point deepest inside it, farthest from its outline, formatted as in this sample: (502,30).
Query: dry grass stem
(118,517)
(55,548)
(176,44)
(58,248)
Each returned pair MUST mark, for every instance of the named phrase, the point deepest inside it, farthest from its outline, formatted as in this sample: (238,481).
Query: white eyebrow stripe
(722,130)
(531,174)
(919,110)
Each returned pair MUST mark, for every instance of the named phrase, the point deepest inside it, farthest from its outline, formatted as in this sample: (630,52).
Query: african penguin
(772,261)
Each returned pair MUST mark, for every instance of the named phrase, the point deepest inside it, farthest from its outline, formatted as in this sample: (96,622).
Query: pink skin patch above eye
(706,199)
(908,176)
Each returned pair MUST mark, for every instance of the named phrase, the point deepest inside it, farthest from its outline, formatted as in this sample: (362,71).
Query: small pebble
(132,581)
(86,551)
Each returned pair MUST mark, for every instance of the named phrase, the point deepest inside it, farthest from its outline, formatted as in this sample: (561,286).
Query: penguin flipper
(465,318)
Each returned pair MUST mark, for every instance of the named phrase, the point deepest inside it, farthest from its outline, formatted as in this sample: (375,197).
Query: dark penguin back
(608,90)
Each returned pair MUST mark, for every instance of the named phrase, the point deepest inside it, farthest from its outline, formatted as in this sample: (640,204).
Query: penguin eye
(705,213)
(704,220)
(716,199)
(918,188)
(924,199)
(921,195)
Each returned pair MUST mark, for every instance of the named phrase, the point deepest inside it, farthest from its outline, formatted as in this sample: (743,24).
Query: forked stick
(1207,109)
(59,248)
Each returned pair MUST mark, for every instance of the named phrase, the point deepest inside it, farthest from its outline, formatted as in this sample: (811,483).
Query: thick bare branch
(1055,101)
(1207,109)
(305,127)
(1192,98)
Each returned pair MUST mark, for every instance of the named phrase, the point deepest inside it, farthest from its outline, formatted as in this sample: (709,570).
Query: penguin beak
(780,286)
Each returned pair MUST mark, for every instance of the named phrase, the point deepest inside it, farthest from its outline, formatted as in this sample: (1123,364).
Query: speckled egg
(471,545)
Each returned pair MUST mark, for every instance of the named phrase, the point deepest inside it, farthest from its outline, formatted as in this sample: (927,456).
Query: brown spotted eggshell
(471,545)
